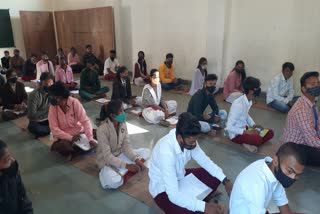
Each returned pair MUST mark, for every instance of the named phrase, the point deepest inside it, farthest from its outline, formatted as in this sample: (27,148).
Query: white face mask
(204,67)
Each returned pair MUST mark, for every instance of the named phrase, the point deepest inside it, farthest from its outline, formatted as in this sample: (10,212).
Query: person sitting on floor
(155,108)
(302,123)
(30,69)
(90,86)
(17,62)
(115,155)
(167,169)
(167,76)
(265,180)
(64,74)
(74,61)
(67,121)
(60,55)
(201,99)
(122,89)
(44,65)
(240,126)
(14,97)
(14,199)
(199,76)
(233,86)
(140,70)
(5,61)
(89,56)
(111,66)
(280,91)
(38,107)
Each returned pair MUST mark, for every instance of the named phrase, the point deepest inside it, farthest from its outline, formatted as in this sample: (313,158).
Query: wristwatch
(225,180)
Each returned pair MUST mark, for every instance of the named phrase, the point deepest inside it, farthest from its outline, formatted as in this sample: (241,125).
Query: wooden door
(77,28)
(38,33)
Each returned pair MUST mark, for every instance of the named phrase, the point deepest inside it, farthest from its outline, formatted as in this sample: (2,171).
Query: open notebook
(190,185)
(83,143)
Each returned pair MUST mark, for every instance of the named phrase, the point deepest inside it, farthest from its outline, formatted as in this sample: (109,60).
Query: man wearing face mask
(38,107)
(302,125)
(241,127)
(14,97)
(167,76)
(169,158)
(265,180)
(201,99)
(16,62)
(115,156)
(44,65)
(14,199)
(111,66)
(67,121)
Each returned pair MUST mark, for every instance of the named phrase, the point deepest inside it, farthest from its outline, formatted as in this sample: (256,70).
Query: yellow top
(166,74)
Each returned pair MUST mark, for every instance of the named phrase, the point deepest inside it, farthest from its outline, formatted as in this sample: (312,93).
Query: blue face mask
(283,178)
(121,118)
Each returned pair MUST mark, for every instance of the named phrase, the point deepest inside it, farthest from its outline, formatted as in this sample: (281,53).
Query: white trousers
(112,178)
(155,116)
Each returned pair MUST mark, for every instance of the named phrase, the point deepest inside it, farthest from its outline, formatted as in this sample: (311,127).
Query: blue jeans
(205,125)
(170,86)
(281,106)
(39,129)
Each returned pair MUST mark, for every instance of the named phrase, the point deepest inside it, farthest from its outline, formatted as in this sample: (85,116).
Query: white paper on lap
(192,186)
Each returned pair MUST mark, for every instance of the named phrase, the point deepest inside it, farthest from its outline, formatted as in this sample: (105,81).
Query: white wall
(267,33)
(262,33)
(14,7)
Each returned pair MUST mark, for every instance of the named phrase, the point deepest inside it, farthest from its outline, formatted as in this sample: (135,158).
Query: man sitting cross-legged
(169,158)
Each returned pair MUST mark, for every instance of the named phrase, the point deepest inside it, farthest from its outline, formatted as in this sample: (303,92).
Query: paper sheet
(136,111)
(28,89)
(192,186)
(14,111)
(74,92)
(172,120)
(102,100)
(83,143)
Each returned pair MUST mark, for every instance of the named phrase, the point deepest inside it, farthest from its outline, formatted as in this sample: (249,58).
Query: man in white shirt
(240,126)
(265,180)
(167,169)
(111,66)
(280,91)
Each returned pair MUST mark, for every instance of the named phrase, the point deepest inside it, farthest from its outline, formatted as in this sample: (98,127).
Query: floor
(57,187)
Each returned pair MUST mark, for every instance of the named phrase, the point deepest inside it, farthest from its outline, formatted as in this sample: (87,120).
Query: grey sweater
(38,105)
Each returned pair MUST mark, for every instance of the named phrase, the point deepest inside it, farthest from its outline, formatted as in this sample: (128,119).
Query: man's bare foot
(213,195)
(100,96)
(250,148)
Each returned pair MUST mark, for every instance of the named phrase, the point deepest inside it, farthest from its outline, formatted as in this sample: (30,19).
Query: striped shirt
(300,126)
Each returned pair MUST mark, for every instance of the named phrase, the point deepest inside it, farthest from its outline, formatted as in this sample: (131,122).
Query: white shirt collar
(267,171)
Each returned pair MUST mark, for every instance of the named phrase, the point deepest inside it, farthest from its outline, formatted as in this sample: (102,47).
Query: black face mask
(13,80)
(239,70)
(282,178)
(169,64)
(186,146)
(112,58)
(314,91)
(53,101)
(211,89)
(46,89)
(257,92)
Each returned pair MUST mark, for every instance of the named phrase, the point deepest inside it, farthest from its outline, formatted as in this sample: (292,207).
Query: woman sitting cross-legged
(155,108)
(68,121)
(115,156)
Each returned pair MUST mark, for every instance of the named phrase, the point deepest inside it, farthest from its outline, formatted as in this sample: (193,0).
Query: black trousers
(313,155)
(39,129)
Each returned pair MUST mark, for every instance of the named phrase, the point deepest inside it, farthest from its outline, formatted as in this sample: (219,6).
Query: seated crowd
(50,108)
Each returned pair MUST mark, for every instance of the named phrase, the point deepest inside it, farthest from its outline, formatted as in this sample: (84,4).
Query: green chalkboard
(6,35)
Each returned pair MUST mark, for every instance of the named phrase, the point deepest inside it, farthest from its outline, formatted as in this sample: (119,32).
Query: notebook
(102,100)
(83,143)
(263,132)
(190,185)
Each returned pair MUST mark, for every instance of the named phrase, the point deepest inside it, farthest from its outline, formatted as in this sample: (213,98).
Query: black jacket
(11,98)
(13,197)
(199,102)
(119,91)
